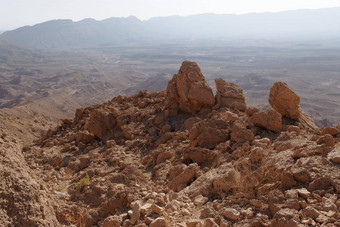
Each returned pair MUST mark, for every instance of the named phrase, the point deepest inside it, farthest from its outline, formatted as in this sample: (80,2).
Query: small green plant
(83,181)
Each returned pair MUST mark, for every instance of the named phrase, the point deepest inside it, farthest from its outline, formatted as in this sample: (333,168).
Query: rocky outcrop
(287,103)
(284,100)
(125,163)
(188,91)
(229,95)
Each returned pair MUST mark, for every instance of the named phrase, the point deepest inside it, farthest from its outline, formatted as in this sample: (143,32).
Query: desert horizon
(218,117)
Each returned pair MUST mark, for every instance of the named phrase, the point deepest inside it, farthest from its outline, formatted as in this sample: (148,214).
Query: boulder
(101,123)
(231,214)
(334,156)
(208,133)
(284,100)
(199,155)
(188,91)
(240,134)
(180,176)
(286,218)
(229,95)
(268,119)
(330,130)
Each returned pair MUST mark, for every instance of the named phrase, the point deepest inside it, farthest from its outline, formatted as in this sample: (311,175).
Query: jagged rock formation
(284,100)
(229,95)
(287,103)
(188,91)
(151,160)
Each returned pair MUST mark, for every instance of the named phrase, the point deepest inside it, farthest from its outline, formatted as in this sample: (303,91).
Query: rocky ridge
(186,158)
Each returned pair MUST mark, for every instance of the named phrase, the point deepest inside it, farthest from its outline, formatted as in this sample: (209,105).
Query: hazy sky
(17,13)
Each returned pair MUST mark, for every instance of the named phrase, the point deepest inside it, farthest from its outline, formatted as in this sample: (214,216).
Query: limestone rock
(199,155)
(330,130)
(320,183)
(112,221)
(268,119)
(286,218)
(101,123)
(208,133)
(327,139)
(159,222)
(284,100)
(188,91)
(229,95)
(334,156)
(226,181)
(181,176)
(240,134)
(231,214)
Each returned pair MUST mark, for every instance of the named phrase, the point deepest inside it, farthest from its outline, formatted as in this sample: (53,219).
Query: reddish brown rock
(181,176)
(334,156)
(284,100)
(330,130)
(229,95)
(208,133)
(327,139)
(268,119)
(240,133)
(188,91)
(320,183)
(101,123)
(286,218)
(199,155)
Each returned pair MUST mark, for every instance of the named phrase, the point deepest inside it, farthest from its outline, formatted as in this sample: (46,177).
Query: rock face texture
(22,200)
(287,103)
(229,94)
(268,119)
(188,91)
(127,162)
(284,100)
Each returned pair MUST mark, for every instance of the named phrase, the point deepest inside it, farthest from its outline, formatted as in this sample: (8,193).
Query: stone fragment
(268,119)
(159,222)
(180,176)
(334,156)
(304,193)
(188,91)
(157,209)
(327,139)
(208,133)
(200,200)
(229,95)
(329,130)
(209,222)
(135,212)
(286,218)
(301,175)
(284,100)
(240,134)
(287,180)
(231,214)
(310,212)
(320,183)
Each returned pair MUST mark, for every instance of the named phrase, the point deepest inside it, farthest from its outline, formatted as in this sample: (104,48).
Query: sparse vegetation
(83,181)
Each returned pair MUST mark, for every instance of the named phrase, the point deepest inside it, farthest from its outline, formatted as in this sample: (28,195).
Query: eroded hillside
(181,157)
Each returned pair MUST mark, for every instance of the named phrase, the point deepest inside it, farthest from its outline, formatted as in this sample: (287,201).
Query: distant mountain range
(298,25)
